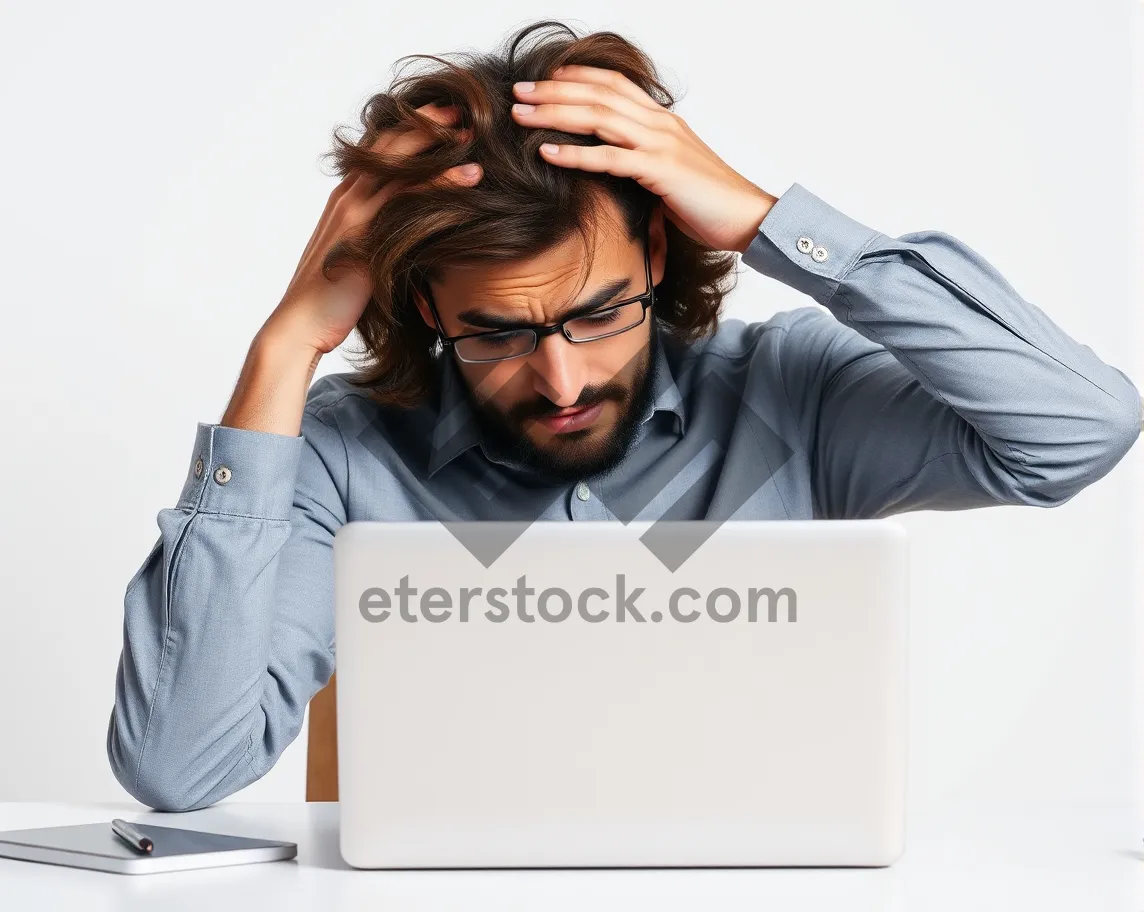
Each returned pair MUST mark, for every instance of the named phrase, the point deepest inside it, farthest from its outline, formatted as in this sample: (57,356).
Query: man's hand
(704,197)
(319,312)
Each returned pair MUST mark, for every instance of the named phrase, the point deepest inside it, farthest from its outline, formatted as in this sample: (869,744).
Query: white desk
(1078,859)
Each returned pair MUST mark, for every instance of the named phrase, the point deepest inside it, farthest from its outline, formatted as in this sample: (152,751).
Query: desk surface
(1037,858)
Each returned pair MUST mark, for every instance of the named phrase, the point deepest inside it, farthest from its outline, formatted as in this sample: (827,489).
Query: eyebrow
(489,320)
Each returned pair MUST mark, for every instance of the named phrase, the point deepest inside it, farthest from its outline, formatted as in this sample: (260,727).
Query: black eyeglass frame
(647,299)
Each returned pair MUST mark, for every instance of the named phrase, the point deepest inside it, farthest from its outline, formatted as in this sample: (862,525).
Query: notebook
(95,845)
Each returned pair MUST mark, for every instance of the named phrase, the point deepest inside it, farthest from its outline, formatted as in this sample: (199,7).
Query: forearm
(1028,407)
(227,624)
(191,688)
(270,394)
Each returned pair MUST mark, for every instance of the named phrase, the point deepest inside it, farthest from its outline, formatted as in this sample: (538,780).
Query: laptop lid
(601,694)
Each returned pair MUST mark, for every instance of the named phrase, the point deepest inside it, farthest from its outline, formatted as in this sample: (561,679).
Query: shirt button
(582,491)
(198,467)
(804,244)
(222,474)
(818,254)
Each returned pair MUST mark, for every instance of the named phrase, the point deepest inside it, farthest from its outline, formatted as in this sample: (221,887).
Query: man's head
(524,245)
(566,402)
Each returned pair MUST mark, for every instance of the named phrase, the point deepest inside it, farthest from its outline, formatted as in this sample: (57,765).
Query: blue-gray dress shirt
(924,382)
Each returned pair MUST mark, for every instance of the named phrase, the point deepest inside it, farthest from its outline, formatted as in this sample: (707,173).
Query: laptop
(601,694)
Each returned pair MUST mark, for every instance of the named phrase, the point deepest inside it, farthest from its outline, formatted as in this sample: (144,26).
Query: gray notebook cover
(95,845)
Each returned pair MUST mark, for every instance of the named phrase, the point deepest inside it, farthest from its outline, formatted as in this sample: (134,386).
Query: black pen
(131,836)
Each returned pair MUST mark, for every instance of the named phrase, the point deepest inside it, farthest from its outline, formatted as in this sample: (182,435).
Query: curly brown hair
(521,206)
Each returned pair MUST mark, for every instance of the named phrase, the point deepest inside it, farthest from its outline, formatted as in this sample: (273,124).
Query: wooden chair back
(322,745)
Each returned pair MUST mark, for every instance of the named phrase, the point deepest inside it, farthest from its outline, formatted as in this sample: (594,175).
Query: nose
(559,371)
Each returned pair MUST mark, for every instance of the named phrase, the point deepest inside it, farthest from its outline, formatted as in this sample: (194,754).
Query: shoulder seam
(316,410)
(746,351)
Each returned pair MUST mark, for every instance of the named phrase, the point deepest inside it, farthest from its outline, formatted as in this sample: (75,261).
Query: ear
(657,239)
(423,309)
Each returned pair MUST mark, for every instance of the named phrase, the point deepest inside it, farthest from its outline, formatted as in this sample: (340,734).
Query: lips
(571,419)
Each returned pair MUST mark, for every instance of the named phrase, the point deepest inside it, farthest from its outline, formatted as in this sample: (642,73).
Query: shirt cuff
(806,243)
(234,470)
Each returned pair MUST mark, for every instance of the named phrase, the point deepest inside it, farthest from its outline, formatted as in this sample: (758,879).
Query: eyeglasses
(503,344)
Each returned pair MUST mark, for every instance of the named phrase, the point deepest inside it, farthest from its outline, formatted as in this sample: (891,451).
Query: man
(922,381)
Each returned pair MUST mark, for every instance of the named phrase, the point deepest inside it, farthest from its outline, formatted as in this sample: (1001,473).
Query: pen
(131,836)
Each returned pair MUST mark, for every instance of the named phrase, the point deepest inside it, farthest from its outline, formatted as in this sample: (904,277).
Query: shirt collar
(456,428)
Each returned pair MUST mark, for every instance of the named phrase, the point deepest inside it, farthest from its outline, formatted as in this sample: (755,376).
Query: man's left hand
(704,197)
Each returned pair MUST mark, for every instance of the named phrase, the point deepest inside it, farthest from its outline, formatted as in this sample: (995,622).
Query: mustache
(546,408)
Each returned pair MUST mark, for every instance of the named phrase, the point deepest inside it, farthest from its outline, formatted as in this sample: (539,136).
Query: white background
(160,178)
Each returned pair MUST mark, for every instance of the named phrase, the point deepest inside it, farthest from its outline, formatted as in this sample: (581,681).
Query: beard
(573,455)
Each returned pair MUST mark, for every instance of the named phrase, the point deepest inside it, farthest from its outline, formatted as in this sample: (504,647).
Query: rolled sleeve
(806,243)
(243,472)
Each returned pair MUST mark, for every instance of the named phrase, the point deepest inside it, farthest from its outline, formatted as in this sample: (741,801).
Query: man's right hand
(319,313)
(316,314)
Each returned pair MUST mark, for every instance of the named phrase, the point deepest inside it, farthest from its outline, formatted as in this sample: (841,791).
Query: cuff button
(222,474)
(818,254)
(198,467)
(804,244)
